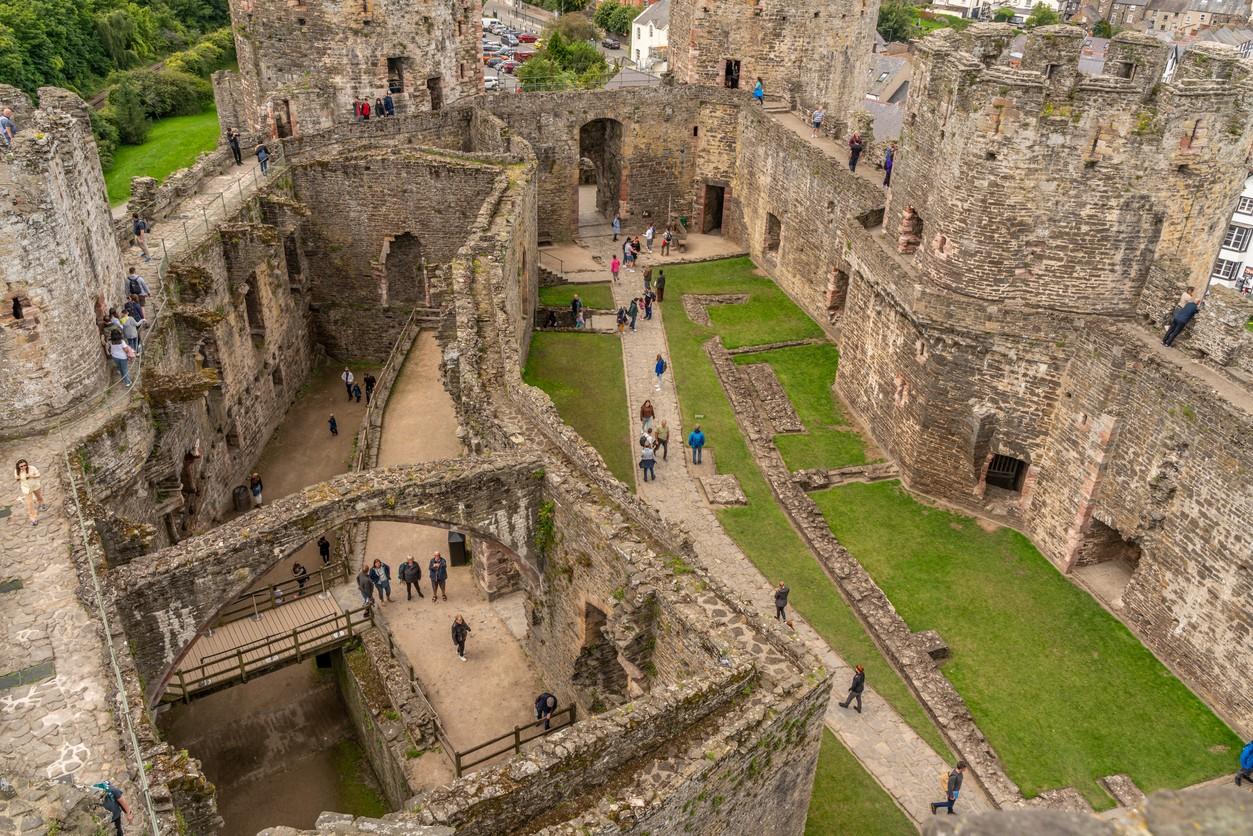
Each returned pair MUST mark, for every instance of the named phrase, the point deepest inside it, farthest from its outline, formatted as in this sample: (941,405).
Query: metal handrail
(561,265)
(518,739)
(256,601)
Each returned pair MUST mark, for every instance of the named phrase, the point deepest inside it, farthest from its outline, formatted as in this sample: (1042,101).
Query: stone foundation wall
(156,202)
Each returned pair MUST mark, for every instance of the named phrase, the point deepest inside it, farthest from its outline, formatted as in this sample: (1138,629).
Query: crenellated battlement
(1038,184)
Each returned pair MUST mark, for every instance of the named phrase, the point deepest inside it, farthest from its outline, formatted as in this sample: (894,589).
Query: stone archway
(600,144)
(169,598)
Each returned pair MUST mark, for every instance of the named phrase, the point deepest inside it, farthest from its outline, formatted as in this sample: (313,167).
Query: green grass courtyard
(594,295)
(173,143)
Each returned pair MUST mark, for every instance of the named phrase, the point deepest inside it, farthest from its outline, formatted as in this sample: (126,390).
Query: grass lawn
(1063,691)
(172,144)
(761,528)
(597,295)
(583,375)
(807,373)
(847,799)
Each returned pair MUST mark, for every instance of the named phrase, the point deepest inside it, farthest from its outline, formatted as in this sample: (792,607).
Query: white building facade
(1234,265)
(650,37)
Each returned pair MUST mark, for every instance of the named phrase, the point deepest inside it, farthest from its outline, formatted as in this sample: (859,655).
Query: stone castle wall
(63,268)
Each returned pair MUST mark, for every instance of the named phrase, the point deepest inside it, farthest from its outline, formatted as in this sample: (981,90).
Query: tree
(574,27)
(126,108)
(623,16)
(604,14)
(1004,14)
(1104,29)
(1042,15)
(897,21)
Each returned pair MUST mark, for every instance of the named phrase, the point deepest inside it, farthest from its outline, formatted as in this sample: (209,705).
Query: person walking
(659,369)
(616,224)
(889,159)
(666,238)
(622,321)
(696,440)
(854,150)
(348,381)
(647,413)
(856,688)
(815,122)
(121,354)
(365,586)
(7,128)
(370,383)
(614,266)
(649,234)
(302,577)
(460,632)
(648,304)
(32,489)
(663,440)
(780,601)
(1245,764)
(1179,321)
(411,574)
(661,285)
(389,105)
(263,157)
(576,305)
(381,575)
(759,93)
(115,805)
(648,461)
(952,789)
(136,286)
(255,487)
(324,547)
(633,312)
(437,572)
(332,424)
(140,229)
(545,707)
(130,331)
(232,139)
(356,392)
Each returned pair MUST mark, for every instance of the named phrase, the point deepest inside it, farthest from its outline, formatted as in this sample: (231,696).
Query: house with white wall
(1234,265)
(649,38)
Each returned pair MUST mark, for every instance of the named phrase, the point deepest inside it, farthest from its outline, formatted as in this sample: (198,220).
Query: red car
(528,38)
(523,56)
(508,66)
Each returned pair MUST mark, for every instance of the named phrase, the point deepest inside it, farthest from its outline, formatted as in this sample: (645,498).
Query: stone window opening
(435,86)
(909,233)
(206,354)
(276,377)
(1006,472)
(774,236)
(253,321)
(696,130)
(1050,70)
(837,293)
(291,255)
(920,351)
(731,74)
(1122,69)
(396,74)
(594,621)
(17,308)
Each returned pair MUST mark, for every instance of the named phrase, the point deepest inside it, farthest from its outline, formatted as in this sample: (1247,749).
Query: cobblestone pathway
(900,760)
(57,712)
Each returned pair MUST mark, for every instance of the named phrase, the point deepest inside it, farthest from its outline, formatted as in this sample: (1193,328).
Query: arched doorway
(600,172)
(403,280)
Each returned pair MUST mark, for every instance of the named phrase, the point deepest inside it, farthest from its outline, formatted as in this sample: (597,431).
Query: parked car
(611,43)
(520,57)
(492,49)
(497,27)
(495,61)
(528,38)
(491,83)
(509,66)
(509,40)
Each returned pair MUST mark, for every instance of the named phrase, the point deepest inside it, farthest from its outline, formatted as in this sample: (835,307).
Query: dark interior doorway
(436,88)
(396,74)
(600,152)
(282,119)
(403,272)
(711,220)
(1006,472)
(774,236)
(731,75)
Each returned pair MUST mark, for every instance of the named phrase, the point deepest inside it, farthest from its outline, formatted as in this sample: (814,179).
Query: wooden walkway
(299,628)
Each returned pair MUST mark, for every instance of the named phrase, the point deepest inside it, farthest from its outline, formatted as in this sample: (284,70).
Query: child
(333,425)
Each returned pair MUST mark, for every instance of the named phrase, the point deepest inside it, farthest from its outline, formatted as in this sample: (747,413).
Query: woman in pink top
(614,266)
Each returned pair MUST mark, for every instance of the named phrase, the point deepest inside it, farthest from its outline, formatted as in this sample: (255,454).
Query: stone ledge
(723,489)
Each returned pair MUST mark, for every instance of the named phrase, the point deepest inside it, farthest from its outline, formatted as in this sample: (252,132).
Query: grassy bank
(847,799)
(173,143)
(595,295)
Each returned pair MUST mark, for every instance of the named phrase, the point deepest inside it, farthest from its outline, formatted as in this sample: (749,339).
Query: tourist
(139,227)
(255,487)
(666,238)
(579,321)
(365,586)
(614,266)
(232,139)
(636,249)
(437,573)
(648,460)
(854,150)
(136,286)
(646,415)
(263,157)
(622,321)
(661,285)
(7,128)
(889,158)
(32,489)
(411,573)
(389,105)
(663,440)
(1179,321)
(130,331)
(576,305)
(659,369)
(113,802)
(616,223)
(550,321)
(815,122)
(460,631)
(111,323)
(378,108)
(780,601)
(648,304)
(649,234)
(348,381)
(365,110)
(133,307)
(302,577)
(356,392)
(633,312)
(121,354)
(356,109)
(370,383)
(628,255)
(324,545)
(381,574)
(759,93)
(333,424)
(1186,297)
(696,440)
(952,789)
(648,279)
(545,707)
(1245,772)
(856,688)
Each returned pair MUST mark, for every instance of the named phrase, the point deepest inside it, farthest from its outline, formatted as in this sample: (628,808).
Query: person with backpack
(856,688)
(115,804)
(659,369)
(696,440)
(1246,764)
(622,321)
(648,461)
(136,286)
(140,228)
(460,632)
(545,707)
(952,784)
(437,571)
(263,157)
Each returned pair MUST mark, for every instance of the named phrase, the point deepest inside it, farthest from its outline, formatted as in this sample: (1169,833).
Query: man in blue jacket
(1246,764)
(696,440)
(437,573)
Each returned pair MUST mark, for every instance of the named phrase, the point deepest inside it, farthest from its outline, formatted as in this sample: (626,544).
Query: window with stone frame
(1245,206)
(1237,238)
(1224,270)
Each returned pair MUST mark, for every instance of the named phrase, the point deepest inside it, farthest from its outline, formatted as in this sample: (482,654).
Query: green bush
(166,92)
(616,18)
(127,112)
(1004,14)
(105,129)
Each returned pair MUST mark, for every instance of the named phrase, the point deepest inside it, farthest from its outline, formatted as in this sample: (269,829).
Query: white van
(487,23)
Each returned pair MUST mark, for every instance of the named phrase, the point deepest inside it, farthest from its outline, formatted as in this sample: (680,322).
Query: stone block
(930,642)
(723,489)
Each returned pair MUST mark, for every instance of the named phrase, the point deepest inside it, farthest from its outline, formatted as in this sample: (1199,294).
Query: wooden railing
(515,738)
(219,670)
(398,655)
(256,601)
